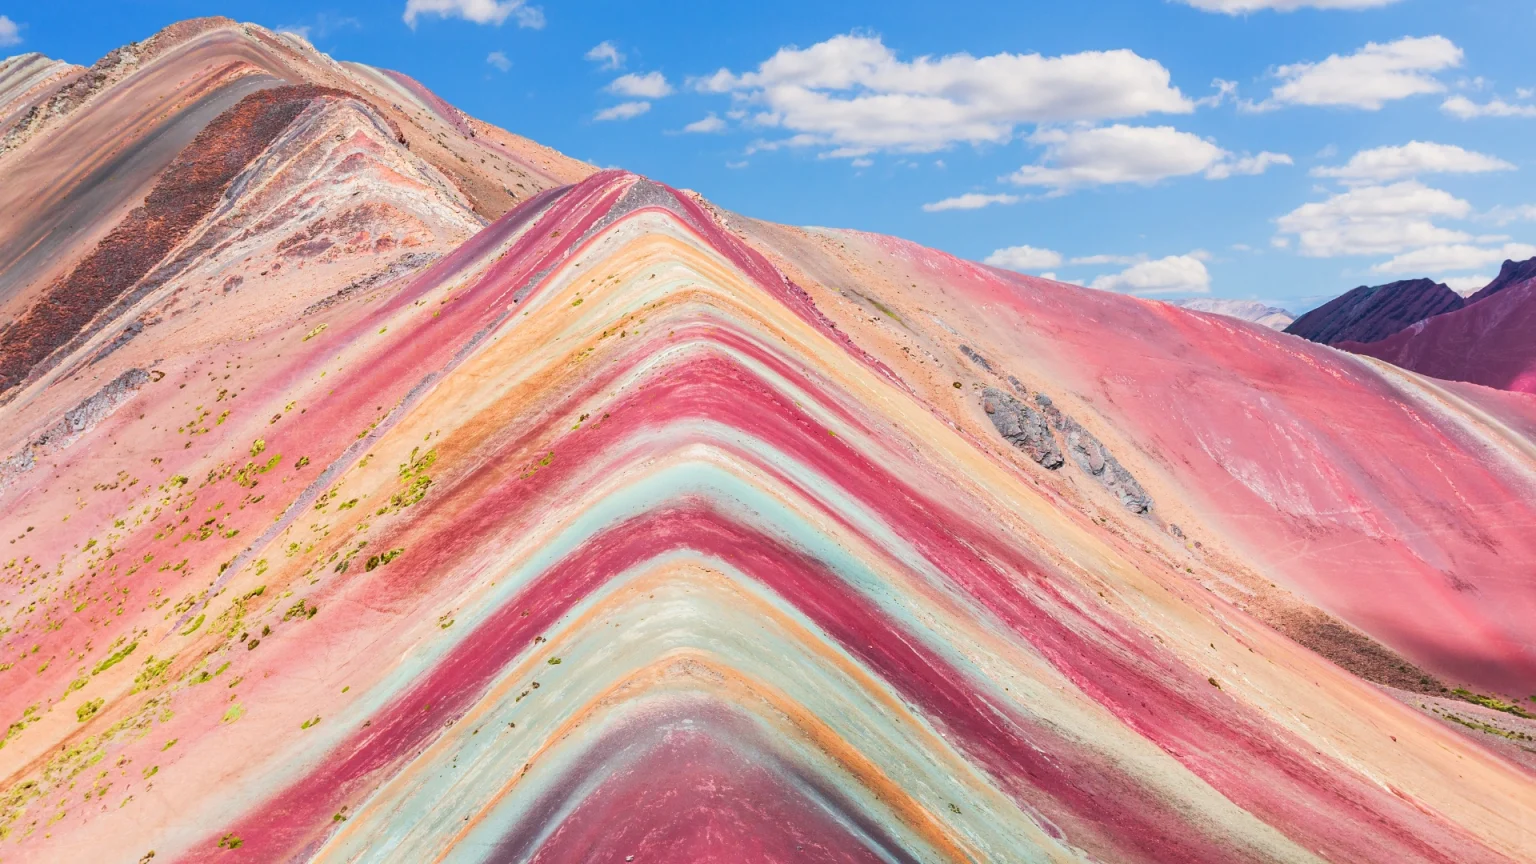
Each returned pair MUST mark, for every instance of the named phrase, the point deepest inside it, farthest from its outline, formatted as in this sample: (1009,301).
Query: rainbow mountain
(568,517)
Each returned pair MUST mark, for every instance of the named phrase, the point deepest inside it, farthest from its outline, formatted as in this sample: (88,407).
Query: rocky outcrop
(75,422)
(1029,429)
(971,355)
(1372,313)
(1022,426)
(1091,455)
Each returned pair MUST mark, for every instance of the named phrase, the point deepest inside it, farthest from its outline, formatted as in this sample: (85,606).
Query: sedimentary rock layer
(184,195)
(621,528)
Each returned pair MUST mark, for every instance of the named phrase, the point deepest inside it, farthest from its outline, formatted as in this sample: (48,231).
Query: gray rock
(1094,458)
(975,358)
(1022,426)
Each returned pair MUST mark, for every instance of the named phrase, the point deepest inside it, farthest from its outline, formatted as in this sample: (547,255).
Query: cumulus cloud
(1094,260)
(1502,215)
(1024,259)
(969,201)
(1247,166)
(479,11)
(1176,274)
(1465,109)
(1384,164)
(1374,220)
(324,25)
(1131,154)
(1369,78)
(1242,7)
(651,85)
(623,111)
(1453,257)
(852,93)
(709,124)
(606,56)
(10,33)
(499,60)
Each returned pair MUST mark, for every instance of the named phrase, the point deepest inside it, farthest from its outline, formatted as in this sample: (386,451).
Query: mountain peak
(380,485)
(1512,273)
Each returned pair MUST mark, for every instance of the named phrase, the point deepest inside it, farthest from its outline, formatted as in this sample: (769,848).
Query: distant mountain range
(1487,338)
(1373,312)
(1247,310)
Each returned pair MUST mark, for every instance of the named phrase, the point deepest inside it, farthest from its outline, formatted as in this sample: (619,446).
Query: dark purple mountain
(1372,313)
(1512,273)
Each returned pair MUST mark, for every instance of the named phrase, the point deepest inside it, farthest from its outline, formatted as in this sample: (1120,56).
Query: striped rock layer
(377,521)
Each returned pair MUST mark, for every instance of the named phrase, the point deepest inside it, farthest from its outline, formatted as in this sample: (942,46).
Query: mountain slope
(360,528)
(1372,313)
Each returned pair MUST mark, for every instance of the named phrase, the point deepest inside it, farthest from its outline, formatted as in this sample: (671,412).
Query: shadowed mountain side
(1491,342)
(1372,313)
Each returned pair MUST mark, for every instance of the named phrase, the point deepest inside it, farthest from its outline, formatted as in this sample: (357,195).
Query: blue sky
(1263,149)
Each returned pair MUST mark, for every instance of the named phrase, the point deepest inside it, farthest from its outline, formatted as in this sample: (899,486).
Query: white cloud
(708,124)
(1465,109)
(623,111)
(651,85)
(1467,285)
(851,92)
(10,33)
(1095,260)
(1024,259)
(1502,215)
(1176,274)
(1247,166)
(499,60)
(1242,7)
(324,25)
(969,201)
(606,56)
(1224,90)
(1131,154)
(1369,78)
(1374,220)
(1410,160)
(479,11)
(1455,257)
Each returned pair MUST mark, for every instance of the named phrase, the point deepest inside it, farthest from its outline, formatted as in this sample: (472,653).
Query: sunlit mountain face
(378,485)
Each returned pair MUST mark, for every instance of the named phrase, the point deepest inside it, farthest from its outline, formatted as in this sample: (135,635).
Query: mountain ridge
(1371,313)
(389,525)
